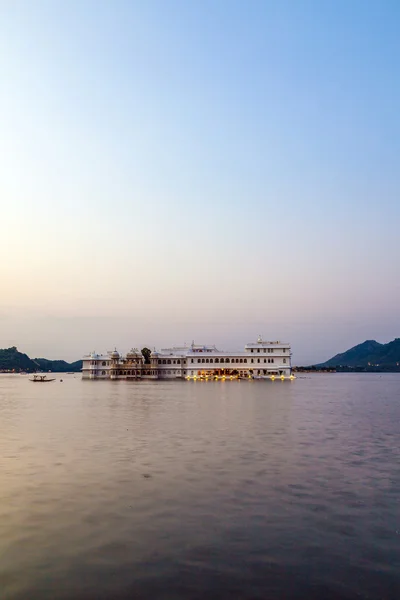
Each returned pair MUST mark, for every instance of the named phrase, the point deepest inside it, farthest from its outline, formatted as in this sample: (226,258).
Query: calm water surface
(241,490)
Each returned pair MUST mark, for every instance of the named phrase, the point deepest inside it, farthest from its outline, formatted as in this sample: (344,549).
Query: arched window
(217,360)
(227,360)
(104,363)
(241,360)
(103,372)
(284,360)
(203,360)
(159,361)
(178,362)
(221,360)
(199,360)
(168,362)
(207,360)
(211,360)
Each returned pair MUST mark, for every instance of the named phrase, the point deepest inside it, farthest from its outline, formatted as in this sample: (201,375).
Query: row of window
(151,372)
(178,362)
(200,360)
(264,372)
(169,372)
(232,360)
(221,360)
(210,360)
(168,362)
(269,350)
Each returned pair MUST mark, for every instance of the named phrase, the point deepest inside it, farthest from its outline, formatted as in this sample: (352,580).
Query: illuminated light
(273,377)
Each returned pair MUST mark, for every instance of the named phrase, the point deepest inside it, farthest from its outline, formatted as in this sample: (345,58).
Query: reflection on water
(200,490)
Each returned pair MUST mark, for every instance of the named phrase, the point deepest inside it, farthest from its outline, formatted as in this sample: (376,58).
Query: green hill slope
(368,354)
(58,366)
(12,360)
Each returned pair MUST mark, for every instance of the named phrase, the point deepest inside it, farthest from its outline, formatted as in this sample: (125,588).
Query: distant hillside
(59,366)
(369,354)
(12,360)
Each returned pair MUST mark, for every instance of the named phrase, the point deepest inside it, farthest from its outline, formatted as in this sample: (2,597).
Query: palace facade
(258,360)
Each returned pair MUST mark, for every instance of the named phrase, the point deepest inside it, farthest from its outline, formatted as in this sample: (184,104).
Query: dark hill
(58,366)
(12,360)
(368,354)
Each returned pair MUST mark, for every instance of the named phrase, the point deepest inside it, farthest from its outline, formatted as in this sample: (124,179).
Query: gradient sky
(174,170)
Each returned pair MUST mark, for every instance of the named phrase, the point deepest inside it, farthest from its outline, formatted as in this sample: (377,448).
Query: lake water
(239,490)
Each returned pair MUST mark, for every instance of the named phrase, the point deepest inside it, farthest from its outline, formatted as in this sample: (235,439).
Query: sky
(207,170)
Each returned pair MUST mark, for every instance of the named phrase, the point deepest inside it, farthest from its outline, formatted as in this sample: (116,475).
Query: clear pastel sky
(174,170)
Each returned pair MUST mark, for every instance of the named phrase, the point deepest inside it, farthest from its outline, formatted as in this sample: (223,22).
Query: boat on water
(41,379)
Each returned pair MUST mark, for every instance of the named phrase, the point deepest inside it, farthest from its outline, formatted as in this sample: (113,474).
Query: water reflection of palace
(258,360)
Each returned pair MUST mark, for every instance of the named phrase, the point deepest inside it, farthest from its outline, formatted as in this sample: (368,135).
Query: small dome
(154,354)
(131,353)
(115,354)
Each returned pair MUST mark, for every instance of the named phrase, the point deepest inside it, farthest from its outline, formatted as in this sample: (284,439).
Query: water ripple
(174,490)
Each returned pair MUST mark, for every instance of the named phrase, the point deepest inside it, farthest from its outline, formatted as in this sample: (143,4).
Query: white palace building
(258,360)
